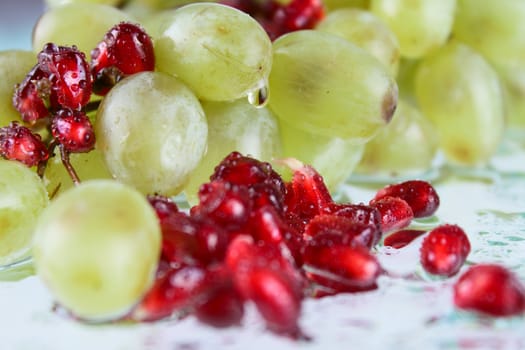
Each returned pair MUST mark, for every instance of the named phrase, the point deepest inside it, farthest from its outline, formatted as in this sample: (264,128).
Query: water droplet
(259,96)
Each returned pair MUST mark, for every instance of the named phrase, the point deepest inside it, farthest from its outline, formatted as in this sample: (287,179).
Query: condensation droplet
(259,96)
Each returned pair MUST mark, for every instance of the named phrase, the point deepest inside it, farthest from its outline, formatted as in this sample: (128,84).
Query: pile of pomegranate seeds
(254,238)
(56,92)
(277,18)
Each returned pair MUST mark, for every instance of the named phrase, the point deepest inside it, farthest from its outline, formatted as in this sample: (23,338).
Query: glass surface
(409,310)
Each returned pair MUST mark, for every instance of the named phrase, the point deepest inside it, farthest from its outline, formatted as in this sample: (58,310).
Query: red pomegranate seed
(297,15)
(164,206)
(126,49)
(490,289)
(225,203)
(341,230)
(340,267)
(420,195)
(263,275)
(306,195)
(395,213)
(362,214)
(224,308)
(73,130)
(444,250)
(69,74)
(33,96)
(174,293)
(19,143)
(402,238)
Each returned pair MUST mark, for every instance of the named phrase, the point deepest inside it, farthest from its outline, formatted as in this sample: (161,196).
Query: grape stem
(91,106)
(64,155)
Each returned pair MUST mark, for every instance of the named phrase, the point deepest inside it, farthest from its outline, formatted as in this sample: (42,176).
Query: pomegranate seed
(224,308)
(362,214)
(444,250)
(490,289)
(306,195)
(226,204)
(73,130)
(33,95)
(395,213)
(19,143)
(126,49)
(69,74)
(420,196)
(402,238)
(164,206)
(177,290)
(342,230)
(339,266)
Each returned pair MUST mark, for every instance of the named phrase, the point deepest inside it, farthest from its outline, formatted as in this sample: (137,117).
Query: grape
(88,166)
(461,94)
(96,247)
(235,126)
(14,65)
(513,82)
(55,3)
(366,31)
(337,4)
(325,85)
(79,24)
(407,145)
(22,199)
(420,25)
(499,33)
(221,53)
(334,158)
(152,131)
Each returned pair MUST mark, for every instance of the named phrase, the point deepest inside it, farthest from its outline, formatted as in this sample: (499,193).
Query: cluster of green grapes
(380,85)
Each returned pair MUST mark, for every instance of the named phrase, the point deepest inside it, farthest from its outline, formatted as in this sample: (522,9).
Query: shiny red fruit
(33,96)
(126,49)
(19,143)
(362,214)
(73,130)
(163,206)
(420,196)
(444,250)
(402,238)
(224,307)
(490,289)
(69,74)
(395,213)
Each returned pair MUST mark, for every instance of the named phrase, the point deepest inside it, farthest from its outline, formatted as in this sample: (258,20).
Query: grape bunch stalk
(56,96)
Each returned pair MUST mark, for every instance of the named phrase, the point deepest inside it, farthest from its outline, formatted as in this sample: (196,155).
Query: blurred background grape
(17,18)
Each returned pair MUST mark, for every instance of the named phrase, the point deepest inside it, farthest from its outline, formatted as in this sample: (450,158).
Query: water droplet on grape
(259,96)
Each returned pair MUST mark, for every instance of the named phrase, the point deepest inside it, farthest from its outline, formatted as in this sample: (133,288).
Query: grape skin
(68,24)
(220,52)
(96,247)
(14,65)
(152,131)
(461,94)
(22,199)
(235,126)
(325,85)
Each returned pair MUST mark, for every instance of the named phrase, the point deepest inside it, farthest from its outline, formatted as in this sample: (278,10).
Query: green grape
(407,145)
(88,166)
(405,79)
(220,52)
(325,85)
(235,126)
(152,131)
(14,66)
(56,3)
(420,25)
(513,82)
(334,158)
(96,247)
(461,94)
(495,28)
(22,199)
(367,31)
(337,4)
(80,24)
